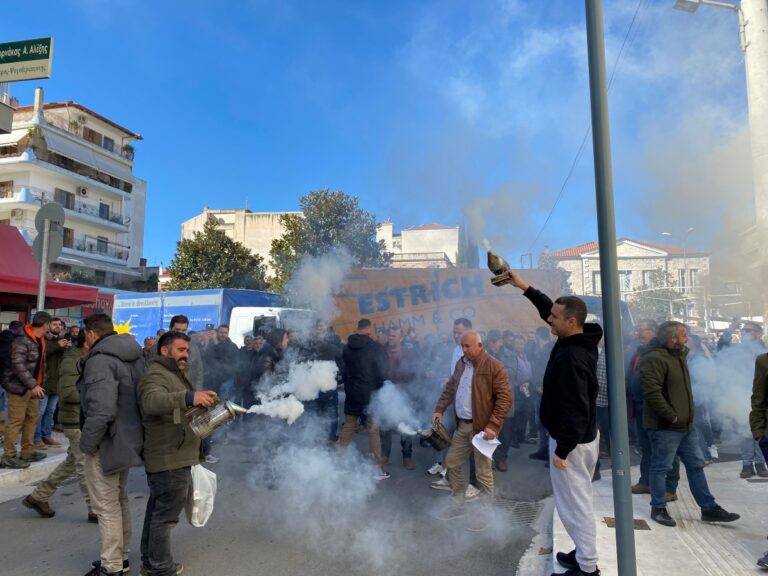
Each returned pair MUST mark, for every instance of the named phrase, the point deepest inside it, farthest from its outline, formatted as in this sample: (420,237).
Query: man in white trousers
(568,412)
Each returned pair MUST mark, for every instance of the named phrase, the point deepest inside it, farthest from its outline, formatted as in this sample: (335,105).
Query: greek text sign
(26,60)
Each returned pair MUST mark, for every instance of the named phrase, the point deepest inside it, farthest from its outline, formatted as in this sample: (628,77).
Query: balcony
(94,247)
(73,206)
(125,152)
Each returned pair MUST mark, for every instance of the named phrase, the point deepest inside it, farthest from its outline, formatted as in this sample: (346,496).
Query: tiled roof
(577,251)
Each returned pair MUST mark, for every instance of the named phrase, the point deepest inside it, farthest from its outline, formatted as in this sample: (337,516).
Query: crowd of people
(121,405)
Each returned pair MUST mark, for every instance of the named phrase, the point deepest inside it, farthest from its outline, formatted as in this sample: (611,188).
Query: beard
(182,364)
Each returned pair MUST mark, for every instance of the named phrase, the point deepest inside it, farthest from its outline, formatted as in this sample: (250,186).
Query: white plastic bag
(201,494)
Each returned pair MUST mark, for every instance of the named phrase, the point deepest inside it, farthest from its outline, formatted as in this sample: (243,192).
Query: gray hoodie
(110,417)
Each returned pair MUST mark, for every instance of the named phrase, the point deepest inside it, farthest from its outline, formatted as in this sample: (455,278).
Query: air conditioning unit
(81,118)
(83,191)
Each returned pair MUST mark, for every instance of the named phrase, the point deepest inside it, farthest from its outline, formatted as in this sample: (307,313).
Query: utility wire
(588,131)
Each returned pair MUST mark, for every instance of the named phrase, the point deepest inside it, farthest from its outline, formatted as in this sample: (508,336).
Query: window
(101,277)
(596,283)
(681,279)
(649,280)
(6,189)
(625,280)
(102,244)
(5,222)
(694,277)
(92,136)
(103,211)
(69,238)
(109,144)
(66,199)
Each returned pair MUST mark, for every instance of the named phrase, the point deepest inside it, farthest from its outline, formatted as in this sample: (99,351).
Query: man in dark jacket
(568,411)
(112,435)
(170,448)
(668,417)
(24,385)
(56,344)
(69,418)
(365,369)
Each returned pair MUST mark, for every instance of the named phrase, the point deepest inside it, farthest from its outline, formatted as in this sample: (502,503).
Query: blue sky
(428,111)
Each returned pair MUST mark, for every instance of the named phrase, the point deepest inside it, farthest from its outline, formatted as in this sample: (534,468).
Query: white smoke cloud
(391,408)
(288,408)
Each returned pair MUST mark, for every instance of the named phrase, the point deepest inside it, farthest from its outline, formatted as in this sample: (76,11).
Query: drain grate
(639,523)
(523,512)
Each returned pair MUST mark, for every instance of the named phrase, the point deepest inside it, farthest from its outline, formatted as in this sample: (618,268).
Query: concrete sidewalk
(17,483)
(692,547)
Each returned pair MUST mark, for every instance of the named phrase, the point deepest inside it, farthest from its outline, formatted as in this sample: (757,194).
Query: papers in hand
(486,447)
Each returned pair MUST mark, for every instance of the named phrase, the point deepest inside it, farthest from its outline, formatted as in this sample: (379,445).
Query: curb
(10,477)
(538,557)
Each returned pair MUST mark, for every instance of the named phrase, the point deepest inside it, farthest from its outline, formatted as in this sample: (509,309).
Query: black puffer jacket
(365,369)
(108,387)
(25,365)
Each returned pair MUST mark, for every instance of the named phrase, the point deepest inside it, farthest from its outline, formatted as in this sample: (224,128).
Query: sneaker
(641,489)
(670,497)
(471,494)
(578,572)
(408,464)
(661,516)
(761,470)
(478,523)
(211,459)
(501,466)
(51,442)
(99,571)
(763,562)
(452,513)
(539,455)
(713,452)
(567,560)
(717,514)
(41,508)
(125,570)
(747,471)
(441,484)
(381,475)
(34,457)
(435,469)
(14,462)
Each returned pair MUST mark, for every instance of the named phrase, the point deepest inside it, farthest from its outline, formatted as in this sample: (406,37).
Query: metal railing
(76,129)
(88,244)
(24,193)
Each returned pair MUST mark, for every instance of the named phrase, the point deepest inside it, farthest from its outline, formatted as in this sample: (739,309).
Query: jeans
(167,496)
(665,444)
(44,427)
(763,443)
(704,428)
(750,453)
(543,434)
(406,444)
(327,408)
(507,439)
(673,476)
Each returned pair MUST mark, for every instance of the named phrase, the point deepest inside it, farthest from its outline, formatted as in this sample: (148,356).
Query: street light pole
(614,349)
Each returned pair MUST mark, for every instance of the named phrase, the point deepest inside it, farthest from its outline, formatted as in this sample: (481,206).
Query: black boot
(661,516)
(567,560)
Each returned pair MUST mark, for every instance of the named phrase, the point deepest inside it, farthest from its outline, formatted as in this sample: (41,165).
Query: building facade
(255,230)
(643,268)
(425,246)
(66,153)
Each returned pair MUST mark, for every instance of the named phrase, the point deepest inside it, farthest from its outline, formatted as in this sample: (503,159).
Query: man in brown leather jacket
(479,391)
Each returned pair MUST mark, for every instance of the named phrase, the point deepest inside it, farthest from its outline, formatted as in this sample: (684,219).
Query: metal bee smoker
(499,267)
(437,436)
(204,421)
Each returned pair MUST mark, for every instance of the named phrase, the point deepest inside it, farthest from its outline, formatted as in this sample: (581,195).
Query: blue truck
(143,314)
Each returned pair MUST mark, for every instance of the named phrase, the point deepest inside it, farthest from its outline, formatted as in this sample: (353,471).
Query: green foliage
(212,260)
(653,301)
(329,220)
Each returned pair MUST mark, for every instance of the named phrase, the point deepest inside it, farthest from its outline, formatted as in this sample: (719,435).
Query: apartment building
(424,246)
(255,230)
(66,153)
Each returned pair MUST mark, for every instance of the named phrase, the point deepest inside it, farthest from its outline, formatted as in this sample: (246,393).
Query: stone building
(425,246)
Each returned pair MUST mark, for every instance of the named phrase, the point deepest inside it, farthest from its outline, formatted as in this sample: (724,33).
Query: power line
(588,131)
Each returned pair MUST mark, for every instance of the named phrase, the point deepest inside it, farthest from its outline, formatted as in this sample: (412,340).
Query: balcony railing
(92,245)
(22,193)
(75,128)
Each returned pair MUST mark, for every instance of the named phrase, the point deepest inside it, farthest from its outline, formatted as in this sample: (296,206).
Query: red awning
(19,276)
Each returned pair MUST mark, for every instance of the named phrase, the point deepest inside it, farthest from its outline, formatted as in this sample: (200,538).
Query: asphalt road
(326,517)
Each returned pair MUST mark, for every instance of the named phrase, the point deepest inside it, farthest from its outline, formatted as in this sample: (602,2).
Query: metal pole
(43,265)
(609,278)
